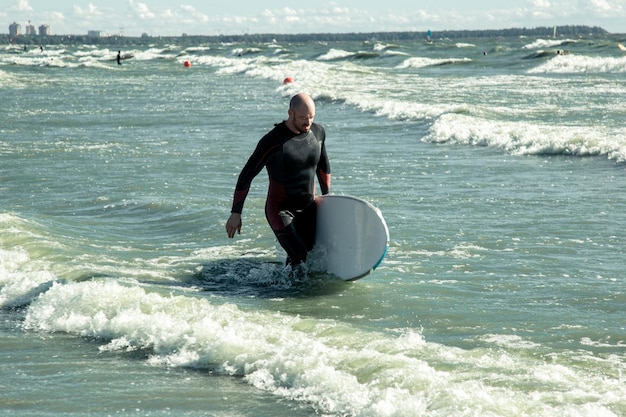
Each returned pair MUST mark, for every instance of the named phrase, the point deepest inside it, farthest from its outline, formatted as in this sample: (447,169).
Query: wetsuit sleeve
(255,164)
(323,169)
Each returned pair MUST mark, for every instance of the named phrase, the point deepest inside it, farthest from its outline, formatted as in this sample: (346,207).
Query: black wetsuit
(292,161)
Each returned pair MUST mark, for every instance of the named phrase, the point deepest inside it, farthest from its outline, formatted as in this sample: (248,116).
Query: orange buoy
(187,64)
(288,80)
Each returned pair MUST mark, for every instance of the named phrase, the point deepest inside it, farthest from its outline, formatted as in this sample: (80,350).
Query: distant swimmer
(119,57)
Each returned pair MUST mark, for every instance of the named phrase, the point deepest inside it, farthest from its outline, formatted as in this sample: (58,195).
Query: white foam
(523,138)
(21,278)
(547,43)
(8,80)
(336,368)
(42,61)
(334,54)
(577,64)
(151,54)
(422,62)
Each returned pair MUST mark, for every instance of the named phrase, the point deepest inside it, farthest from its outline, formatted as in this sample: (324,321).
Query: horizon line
(105,35)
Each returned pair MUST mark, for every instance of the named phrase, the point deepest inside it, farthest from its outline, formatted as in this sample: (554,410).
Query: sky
(236,17)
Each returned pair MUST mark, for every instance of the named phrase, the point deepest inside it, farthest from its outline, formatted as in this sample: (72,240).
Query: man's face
(302,118)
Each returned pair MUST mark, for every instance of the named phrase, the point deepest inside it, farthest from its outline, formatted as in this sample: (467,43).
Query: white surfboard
(351,238)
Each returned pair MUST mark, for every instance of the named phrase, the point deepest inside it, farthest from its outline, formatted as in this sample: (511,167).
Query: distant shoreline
(545,31)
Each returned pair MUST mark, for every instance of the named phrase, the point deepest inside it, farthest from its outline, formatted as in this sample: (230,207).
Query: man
(294,153)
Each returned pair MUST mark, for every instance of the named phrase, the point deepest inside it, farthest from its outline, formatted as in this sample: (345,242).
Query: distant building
(95,34)
(44,30)
(30,30)
(15,29)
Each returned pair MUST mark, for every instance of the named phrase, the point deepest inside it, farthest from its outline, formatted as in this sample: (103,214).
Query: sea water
(499,168)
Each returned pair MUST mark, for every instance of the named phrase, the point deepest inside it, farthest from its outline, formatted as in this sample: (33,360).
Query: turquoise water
(499,168)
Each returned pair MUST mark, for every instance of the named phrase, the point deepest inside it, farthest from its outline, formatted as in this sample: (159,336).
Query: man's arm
(323,170)
(253,166)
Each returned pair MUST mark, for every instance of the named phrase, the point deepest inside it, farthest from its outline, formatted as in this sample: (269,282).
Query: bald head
(300,100)
(301,113)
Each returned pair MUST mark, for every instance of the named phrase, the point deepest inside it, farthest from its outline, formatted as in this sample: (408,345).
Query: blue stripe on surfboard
(381,258)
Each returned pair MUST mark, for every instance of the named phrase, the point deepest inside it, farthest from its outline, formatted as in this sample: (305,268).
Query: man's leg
(295,232)
(305,223)
(289,239)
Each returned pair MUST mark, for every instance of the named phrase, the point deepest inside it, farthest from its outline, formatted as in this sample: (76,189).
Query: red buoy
(288,80)
(187,64)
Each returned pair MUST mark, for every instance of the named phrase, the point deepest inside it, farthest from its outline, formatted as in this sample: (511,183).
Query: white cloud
(289,11)
(141,10)
(23,6)
(541,3)
(601,5)
(54,16)
(196,17)
(340,10)
(89,11)
(185,18)
(332,17)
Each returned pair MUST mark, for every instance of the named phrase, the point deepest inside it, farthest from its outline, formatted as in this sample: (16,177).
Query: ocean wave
(393,53)
(336,368)
(577,64)
(10,80)
(548,43)
(523,138)
(246,51)
(422,62)
(334,54)
(41,61)
(22,278)
(379,47)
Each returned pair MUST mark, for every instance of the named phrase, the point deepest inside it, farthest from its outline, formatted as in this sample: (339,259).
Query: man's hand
(233,224)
